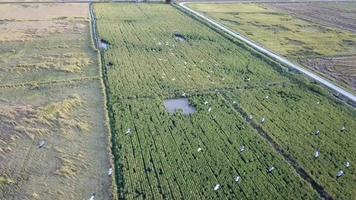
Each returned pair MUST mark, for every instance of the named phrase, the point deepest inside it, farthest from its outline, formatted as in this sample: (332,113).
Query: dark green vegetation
(160,155)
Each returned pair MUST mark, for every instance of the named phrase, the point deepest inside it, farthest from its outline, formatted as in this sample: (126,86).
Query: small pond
(174,105)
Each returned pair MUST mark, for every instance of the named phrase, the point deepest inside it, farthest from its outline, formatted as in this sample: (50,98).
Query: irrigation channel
(349,96)
(118,181)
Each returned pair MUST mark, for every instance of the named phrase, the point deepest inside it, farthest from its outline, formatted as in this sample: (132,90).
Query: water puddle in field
(109,65)
(180,37)
(180,104)
(104,44)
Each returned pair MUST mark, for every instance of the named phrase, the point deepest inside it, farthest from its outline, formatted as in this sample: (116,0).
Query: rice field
(256,125)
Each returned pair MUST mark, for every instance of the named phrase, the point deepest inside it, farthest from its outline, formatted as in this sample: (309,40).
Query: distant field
(326,50)
(51,94)
(336,14)
(176,156)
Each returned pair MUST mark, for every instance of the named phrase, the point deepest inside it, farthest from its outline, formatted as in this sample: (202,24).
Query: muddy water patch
(180,37)
(104,44)
(179,105)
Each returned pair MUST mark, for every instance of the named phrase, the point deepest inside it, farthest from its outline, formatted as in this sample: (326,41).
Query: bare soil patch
(342,69)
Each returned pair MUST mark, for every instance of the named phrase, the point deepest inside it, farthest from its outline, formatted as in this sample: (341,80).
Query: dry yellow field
(53,128)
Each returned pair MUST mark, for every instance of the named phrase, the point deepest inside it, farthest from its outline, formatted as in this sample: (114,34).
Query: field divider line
(118,183)
(53,82)
(267,53)
(277,147)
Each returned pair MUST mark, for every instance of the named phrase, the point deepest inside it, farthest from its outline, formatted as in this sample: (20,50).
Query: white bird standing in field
(343,128)
(242,148)
(128,131)
(271,169)
(267,97)
(199,149)
(41,144)
(263,120)
(110,171)
(209,109)
(347,164)
(205,102)
(316,154)
(250,117)
(340,173)
(92,197)
(217,186)
(317,132)
(237,179)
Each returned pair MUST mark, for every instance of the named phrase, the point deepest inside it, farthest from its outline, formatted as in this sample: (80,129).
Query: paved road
(317,78)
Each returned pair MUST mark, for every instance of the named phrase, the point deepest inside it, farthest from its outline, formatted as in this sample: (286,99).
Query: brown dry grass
(30,12)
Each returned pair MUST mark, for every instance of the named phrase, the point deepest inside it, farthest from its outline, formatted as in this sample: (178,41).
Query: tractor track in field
(286,156)
(340,92)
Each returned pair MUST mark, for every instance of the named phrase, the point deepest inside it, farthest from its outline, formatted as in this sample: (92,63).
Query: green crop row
(158,151)
(160,156)
(144,57)
(303,122)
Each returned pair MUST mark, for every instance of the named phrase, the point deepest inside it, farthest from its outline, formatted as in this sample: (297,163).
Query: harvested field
(295,38)
(335,14)
(253,128)
(49,47)
(53,130)
(341,68)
